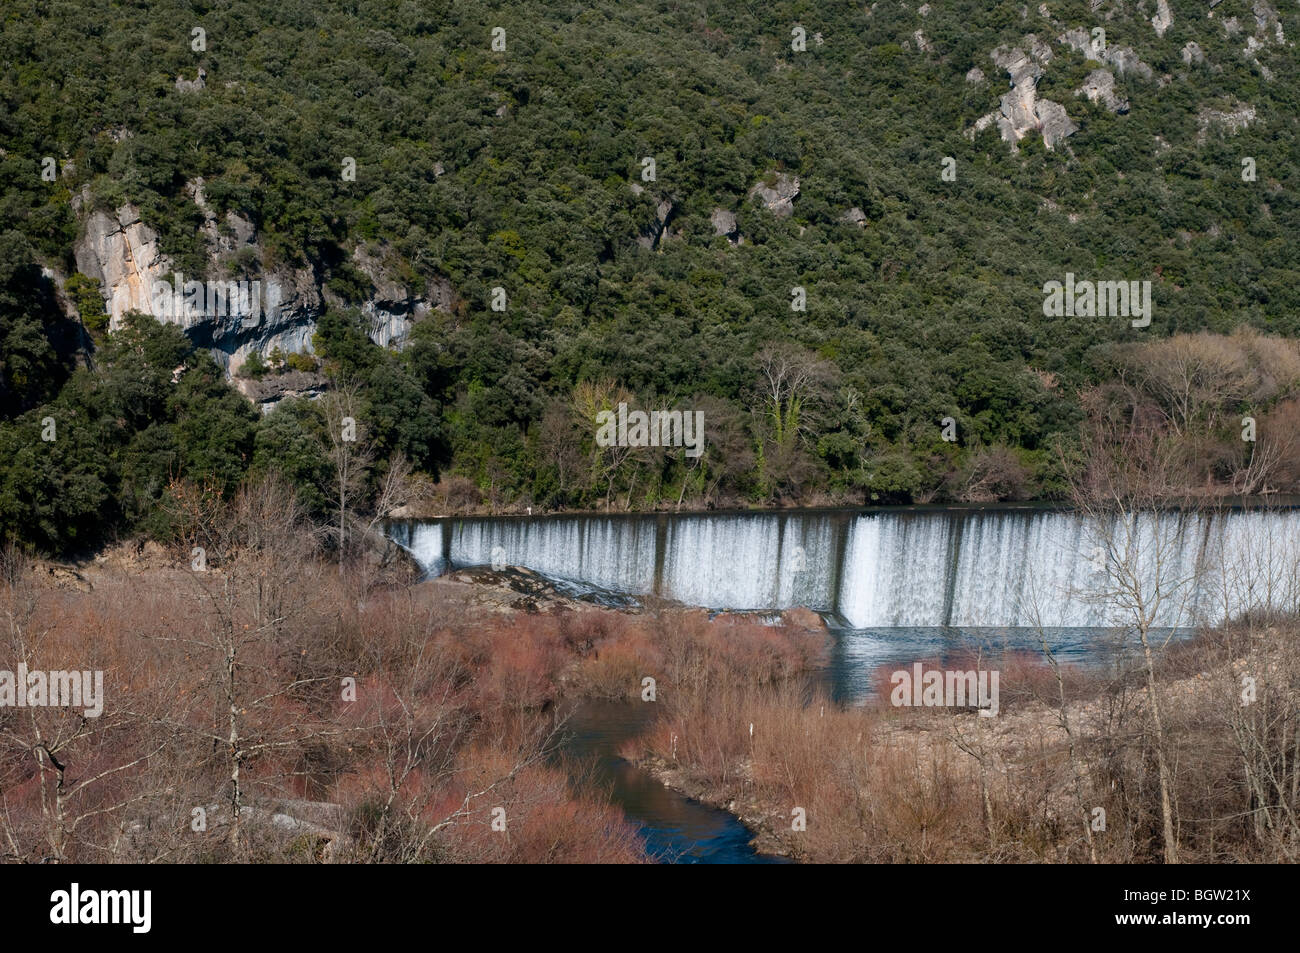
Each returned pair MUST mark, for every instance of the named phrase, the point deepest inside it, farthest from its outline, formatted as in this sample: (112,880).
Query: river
(674,828)
(895,586)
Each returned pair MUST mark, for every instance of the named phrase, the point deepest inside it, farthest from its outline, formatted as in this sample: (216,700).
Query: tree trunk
(235,757)
(1166,804)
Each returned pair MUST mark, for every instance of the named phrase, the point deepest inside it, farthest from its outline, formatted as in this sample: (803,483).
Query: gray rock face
(724,224)
(778,198)
(1268,29)
(184,85)
(1267,22)
(1100,87)
(230,318)
(975,75)
(1125,60)
(122,253)
(273,388)
(1053,122)
(440,294)
(1022,112)
(1122,58)
(1192,53)
(392,307)
(855,216)
(223,310)
(1164,17)
(1018,116)
(1231,119)
(652,233)
(238,233)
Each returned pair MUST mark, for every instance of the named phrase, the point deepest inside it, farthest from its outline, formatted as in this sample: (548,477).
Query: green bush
(253,367)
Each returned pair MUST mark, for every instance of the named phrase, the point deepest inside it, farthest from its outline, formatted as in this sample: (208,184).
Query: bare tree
(81,766)
(589,399)
(1270,455)
(792,382)
(1193,376)
(561,443)
(1032,607)
(351,454)
(256,582)
(1148,588)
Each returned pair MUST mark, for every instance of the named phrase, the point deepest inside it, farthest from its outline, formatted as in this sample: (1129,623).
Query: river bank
(1064,773)
(477,717)
(643,730)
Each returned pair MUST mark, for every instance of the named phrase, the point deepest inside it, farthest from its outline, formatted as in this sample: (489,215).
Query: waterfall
(906,567)
(611,553)
(423,540)
(760,561)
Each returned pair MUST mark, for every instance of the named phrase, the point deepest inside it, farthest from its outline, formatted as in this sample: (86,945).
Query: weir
(1014,567)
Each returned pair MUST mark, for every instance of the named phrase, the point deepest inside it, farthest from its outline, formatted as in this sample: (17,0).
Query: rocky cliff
(225,310)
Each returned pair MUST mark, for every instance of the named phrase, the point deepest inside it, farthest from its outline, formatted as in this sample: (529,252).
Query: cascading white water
(760,562)
(905,568)
(897,570)
(617,554)
(423,540)
(1055,569)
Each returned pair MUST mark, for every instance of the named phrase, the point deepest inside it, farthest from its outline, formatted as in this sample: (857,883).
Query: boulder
(1164,17)
(1099,87)
(778,197)
(724,224)
(184,85)
(855,216)
(654,232)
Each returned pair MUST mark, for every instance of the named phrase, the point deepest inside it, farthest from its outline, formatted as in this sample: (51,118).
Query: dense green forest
(515,168)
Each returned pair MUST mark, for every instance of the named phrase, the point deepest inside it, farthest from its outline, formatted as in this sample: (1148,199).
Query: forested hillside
(837,251)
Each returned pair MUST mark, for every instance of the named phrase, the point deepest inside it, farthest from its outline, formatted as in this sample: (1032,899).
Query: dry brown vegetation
(270,707)
(883,784)
(1206,414)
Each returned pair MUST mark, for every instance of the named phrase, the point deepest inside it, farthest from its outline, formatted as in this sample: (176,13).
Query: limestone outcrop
(1231,119)
(1022,112)
(1164,17)
(778,196)
(235,308)
(1099,87)
(724,224)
